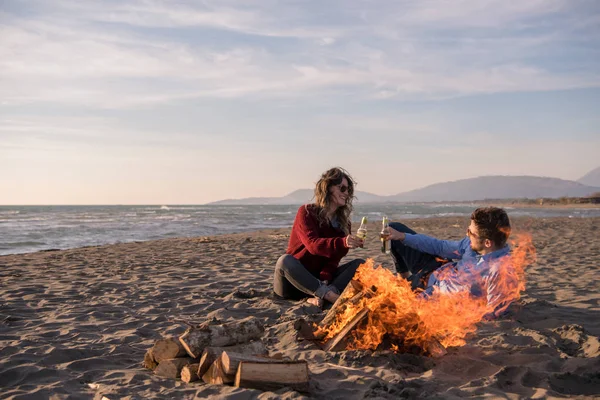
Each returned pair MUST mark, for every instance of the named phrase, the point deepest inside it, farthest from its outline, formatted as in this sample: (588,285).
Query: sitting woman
(320,238)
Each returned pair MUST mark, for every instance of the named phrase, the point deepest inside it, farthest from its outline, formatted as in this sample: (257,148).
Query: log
(149,361)
(434,348)
(164,349)
(210,354)
(273,375)
(332,344)
(348,293)
(216,376)
(305,330)
(230,360)
(172,368)
(189,373)
(195,340)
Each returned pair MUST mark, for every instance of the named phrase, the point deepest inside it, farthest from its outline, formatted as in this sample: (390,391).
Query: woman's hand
(353,242)
(395,235)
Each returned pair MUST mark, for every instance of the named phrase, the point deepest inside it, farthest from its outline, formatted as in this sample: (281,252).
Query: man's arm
(443,248)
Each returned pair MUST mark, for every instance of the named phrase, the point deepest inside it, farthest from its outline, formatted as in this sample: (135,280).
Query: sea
(25,229)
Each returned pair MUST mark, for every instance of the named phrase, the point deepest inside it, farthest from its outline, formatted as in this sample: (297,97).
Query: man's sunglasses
(470,233)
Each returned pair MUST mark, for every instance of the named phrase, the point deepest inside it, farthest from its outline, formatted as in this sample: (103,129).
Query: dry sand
(76,323)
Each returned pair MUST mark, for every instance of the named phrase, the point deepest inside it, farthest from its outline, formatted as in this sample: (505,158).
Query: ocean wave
(9,245)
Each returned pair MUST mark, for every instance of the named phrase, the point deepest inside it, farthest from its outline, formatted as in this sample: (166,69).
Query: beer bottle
(384,235)
(361,233)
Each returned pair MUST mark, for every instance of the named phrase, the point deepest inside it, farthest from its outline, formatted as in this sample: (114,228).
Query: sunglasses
(470,233)
(343,188)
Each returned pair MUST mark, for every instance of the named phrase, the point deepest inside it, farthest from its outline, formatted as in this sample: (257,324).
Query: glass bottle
(361,233)
(384,235)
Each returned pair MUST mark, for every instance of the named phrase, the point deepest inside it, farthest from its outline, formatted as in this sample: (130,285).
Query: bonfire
(379,309)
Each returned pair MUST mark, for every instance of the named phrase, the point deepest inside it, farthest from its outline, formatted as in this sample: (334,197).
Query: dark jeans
(293,281)
(411,260)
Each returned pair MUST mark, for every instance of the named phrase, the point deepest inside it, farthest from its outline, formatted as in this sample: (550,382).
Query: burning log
(349,293)
(434,348)
(211,354)
(273,375)
(189,373)
(172,368)
(305,330)
(195,340)
(332,345)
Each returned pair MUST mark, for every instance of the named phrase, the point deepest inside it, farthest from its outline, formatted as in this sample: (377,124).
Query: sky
(164,102)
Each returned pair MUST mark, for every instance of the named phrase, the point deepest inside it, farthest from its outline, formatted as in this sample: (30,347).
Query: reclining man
(481,263)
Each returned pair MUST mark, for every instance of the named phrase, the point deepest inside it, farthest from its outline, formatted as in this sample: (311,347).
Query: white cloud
(94,54)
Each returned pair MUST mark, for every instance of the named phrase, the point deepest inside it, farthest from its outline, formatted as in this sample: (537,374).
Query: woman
(320,238)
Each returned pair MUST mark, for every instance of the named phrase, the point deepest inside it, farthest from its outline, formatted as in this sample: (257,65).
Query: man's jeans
(293,281)
(407,259)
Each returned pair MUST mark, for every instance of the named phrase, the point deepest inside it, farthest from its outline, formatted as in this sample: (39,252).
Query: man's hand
(352,242)
(395,235)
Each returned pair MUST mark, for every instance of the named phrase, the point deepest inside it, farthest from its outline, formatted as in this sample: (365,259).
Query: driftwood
(273,375)
(231,360)
(189,373)
(195,340)
(172,368)
(210,354)
(149,361)
(332,344)
(215,374)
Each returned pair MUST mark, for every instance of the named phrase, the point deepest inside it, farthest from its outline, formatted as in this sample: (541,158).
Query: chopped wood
(305,330)
(195,340)
(149,361)
(189,373)
(172,368)
(230,360)
(348,292)
(332,344)
(273,375)
(210,354)
(434,348)
(164,349)
(215,374)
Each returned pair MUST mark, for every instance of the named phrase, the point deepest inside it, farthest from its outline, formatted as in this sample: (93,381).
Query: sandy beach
(75,324)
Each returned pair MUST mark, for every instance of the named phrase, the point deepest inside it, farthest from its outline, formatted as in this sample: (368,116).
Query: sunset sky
(150,102)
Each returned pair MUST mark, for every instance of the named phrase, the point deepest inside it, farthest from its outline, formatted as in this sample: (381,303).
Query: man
(482,261)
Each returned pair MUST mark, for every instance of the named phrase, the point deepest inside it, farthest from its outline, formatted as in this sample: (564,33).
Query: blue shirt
(471,272)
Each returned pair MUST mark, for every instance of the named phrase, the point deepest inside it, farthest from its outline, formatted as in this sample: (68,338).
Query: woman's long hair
(332,177)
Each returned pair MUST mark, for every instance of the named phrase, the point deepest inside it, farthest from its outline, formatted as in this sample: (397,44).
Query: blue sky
(124,102)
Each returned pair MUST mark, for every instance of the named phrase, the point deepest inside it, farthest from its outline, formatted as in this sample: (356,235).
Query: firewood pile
(229,353)
(352,296)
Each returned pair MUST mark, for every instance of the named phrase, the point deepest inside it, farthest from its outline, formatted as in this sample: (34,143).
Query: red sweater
(318,247)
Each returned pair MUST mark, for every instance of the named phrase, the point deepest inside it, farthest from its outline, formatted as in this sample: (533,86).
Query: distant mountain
(592,178)
(497,187)
(300,196)
(481,188)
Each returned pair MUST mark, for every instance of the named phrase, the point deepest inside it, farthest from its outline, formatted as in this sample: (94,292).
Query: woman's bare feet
(315,301)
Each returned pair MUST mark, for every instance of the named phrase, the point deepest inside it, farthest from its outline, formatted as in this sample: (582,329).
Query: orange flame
(398,312)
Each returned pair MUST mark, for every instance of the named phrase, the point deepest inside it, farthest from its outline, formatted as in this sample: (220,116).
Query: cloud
(143,53)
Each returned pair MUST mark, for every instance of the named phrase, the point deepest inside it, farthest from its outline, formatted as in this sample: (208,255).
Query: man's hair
(493,224)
